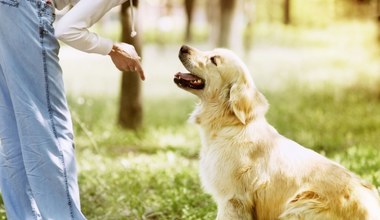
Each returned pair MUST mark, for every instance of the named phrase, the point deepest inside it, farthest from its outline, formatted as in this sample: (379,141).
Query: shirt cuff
(104,47)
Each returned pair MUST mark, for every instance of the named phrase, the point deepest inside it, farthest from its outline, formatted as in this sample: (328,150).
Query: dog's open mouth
(188,80)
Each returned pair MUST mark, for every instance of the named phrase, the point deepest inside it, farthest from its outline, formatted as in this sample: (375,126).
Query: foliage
(316,12)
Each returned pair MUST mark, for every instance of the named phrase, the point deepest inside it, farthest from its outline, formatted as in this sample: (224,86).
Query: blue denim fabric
(38,177)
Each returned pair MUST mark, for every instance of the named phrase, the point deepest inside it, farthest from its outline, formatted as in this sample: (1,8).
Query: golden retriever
(251,170)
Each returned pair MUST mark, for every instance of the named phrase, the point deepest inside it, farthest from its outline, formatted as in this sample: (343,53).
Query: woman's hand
(125,58)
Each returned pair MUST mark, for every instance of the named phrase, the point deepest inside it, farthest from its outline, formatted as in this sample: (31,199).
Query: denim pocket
(13,3)
(47,14)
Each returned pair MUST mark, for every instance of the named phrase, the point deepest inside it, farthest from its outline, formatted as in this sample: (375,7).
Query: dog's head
(219,75)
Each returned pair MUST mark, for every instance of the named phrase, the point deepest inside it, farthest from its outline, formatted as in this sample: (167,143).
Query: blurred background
(316,61)
(312,40)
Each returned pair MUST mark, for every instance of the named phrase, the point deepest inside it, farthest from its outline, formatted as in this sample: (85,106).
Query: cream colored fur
(251,170)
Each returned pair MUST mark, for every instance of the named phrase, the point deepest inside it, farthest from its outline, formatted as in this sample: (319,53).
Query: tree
(130,110)
(378,20)
(287,11)
(220,15)
(227,12)
(189,8)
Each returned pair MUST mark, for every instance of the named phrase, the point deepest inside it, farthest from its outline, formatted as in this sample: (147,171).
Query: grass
(143,186)
(151,174)
(331,120)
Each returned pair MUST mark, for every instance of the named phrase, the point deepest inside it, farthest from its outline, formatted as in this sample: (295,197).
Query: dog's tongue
(186,76)
(188,80)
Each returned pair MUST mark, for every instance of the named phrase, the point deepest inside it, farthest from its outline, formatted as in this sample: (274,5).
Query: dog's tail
(370,200)
(362,202)
(306,204)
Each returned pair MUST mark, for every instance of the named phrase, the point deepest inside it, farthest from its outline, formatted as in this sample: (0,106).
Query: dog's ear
(246,102)
(241,97)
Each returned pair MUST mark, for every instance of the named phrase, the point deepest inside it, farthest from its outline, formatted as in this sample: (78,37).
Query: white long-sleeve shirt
(73,27)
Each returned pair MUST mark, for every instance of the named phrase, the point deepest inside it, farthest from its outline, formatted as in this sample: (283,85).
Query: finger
(139,70)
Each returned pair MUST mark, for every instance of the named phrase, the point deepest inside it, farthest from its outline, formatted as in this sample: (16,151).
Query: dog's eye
(214,60)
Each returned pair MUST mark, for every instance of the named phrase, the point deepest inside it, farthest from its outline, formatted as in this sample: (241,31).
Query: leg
(42,137)
(234,209)
(13,182)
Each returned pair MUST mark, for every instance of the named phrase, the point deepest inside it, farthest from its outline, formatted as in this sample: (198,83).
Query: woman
(38,177)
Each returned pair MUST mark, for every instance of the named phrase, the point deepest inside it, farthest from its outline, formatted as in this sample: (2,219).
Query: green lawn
(323,93)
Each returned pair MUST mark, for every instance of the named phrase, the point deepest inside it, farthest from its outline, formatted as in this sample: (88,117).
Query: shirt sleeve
(72,28)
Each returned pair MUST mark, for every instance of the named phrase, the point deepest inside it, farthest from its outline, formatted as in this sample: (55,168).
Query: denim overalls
(38,177)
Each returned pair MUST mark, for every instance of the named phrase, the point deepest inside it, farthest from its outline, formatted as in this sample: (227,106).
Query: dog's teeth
(198,81)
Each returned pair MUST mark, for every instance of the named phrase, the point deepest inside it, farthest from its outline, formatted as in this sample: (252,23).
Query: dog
(251,171)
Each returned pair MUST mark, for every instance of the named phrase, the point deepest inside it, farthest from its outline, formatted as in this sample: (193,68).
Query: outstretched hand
(125,58)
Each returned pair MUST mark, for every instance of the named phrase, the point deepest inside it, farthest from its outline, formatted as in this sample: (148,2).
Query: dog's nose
(184,49)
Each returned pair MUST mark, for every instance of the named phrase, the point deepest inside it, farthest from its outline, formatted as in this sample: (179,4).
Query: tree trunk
(378,21)
(130,110)
(287,12)
(227,10)
(249,10)
(189,8)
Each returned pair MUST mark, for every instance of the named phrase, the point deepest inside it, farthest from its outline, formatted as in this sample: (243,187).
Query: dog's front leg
(234,209)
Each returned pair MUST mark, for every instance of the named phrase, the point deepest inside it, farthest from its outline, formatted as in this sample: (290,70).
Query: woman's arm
(72,28)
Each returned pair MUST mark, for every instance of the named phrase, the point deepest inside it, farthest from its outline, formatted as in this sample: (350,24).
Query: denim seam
(30,195)
(33,1)
(42,33)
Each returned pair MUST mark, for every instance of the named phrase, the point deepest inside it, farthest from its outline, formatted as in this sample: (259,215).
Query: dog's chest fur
(217,169)
(228,165)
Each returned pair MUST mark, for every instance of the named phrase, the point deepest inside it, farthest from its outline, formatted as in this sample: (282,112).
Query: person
(38,176)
